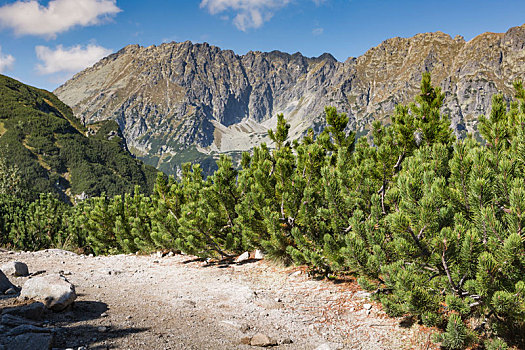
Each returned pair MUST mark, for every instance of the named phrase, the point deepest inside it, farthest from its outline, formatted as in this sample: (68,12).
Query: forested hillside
(54,153)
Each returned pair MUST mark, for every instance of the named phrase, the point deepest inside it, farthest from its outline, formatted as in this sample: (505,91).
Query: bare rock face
(181,101)
(55,291)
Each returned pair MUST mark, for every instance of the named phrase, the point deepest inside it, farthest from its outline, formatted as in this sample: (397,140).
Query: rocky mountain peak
(191,101)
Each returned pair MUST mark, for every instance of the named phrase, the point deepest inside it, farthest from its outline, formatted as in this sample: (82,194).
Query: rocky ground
(179,302)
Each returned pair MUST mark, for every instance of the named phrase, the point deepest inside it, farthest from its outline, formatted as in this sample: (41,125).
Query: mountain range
(180,102)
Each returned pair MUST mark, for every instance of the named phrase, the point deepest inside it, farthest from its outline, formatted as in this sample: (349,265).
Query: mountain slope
(182,101)
(51,148)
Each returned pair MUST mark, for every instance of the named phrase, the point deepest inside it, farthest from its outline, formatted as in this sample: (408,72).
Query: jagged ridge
(182,101)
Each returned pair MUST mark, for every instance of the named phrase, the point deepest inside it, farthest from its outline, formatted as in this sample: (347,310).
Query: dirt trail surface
(178,302)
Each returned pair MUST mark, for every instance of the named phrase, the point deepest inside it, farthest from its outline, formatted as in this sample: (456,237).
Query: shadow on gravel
(68,327)
(71,333)
(91,337)
(224,263)
(189,261)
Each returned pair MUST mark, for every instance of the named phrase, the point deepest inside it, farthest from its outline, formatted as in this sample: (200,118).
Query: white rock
(15,268)
(258,254)
(295,274)
(55,291)
(367,306)
(324,346)
(243,257)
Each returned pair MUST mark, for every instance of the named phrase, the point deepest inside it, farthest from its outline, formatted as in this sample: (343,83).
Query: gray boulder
(15,321)
(5,284)
(33,311)
(55,291)
(27,328)
(30,341)
(15,268)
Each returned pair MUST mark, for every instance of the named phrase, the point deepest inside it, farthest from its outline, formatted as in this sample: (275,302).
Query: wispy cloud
(6,61)
(319,2)
(31,18)
(68,60)
(318,31)
(246,13)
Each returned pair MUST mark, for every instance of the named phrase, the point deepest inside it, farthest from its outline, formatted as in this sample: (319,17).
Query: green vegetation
(431,225)
(42,139)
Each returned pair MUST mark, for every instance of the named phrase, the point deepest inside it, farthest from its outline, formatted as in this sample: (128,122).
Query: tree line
(433,226)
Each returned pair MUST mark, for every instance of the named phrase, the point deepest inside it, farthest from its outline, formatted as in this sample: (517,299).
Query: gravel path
(178,302)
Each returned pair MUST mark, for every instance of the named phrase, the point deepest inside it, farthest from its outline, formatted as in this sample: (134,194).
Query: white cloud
(6,61)
(247,13)
(318,31)
(31,18)
(70,60)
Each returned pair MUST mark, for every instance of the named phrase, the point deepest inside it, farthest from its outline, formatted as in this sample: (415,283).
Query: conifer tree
(277,212)
(167,202)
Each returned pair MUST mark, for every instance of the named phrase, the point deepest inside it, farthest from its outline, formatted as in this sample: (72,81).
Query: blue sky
(43,43)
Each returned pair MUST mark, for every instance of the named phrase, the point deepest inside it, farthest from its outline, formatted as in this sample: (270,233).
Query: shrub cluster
(433,226)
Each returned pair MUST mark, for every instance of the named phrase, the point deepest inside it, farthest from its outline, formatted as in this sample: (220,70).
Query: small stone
(104,314)
(190,303)
(244,327)
(262,340)
(243,257)
(367,306)
(246,340)
(102,329)
(11,291)
(286,341)
(170,254)
(258,254)
(323,346)
(295,274)
(15,268)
